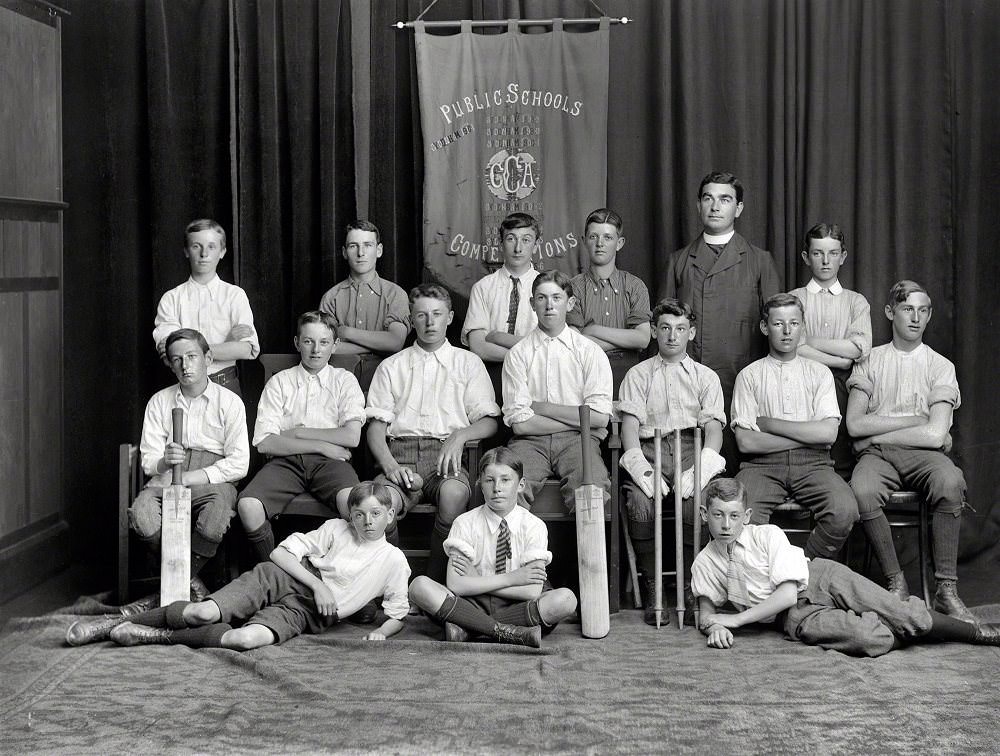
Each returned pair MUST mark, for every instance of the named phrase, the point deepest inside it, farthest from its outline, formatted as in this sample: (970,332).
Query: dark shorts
(421,454)
(284,478)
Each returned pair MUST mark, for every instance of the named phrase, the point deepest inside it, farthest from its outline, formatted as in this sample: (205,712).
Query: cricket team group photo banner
(511,122)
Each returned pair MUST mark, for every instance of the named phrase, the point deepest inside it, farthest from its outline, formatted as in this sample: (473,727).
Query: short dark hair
(604,215)
(501,455)
(204,224)
(722,177)
(823,231)
(903,289)
(316,316)
(188,334)
(725,489)
(557,277)
(784,299)
(362,225)
(520,220)
(672,307)
(367,488)
(432,291)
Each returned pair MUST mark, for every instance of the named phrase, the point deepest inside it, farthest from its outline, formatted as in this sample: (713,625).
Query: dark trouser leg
(817,487)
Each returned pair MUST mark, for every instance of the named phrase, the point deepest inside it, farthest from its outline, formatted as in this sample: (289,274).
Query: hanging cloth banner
(511,123)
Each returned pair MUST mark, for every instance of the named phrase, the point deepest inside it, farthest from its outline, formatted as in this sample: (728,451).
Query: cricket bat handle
(585,442)
(177,416)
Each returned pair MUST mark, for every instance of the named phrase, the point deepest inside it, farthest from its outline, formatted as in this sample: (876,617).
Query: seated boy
(612,306)
(837,326)
(369,313)
(214,453)
(220,311)
(425,403)
(500,312)
(785,417)
(496,567)
(899,412)
(547,376)
(312,581)
(308,419)
(817,601)
(668,391)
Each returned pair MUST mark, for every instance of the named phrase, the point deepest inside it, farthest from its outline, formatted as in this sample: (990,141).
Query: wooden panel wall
(33,530)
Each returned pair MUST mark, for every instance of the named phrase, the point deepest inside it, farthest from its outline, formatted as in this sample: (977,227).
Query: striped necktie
(503,547)
(736,580)
(515,300)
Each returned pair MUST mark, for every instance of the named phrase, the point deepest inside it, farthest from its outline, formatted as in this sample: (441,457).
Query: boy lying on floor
(312,581)
(818,601)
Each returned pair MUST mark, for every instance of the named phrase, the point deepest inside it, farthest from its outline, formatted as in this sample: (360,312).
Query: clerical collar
(719,240)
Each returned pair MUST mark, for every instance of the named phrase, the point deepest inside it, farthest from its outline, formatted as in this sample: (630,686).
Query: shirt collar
(212,286)
(375,284)
(493,519)
(210,392)
(687,364)
(508,273)
(443,354)
(614,280)
(774,361)
(719,239)
(324,376)
(565,336)
(743,540)
(813,287)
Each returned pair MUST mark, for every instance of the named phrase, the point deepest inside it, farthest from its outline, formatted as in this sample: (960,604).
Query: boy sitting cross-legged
(818,601)
(312,581)
(497,553)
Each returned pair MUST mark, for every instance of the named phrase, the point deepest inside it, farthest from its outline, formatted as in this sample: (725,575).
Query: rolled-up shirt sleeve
(516,397)
(633,392)
(598,381)
(381,403)
(480,398)
(744,408)
(786,562)
(395,596)
(243,315)
(711,400)
(943,385)
(860,378)
(477,317)
(314,543)
(825,402)
(270,410)
(859,332)
(708,581)
(234,465)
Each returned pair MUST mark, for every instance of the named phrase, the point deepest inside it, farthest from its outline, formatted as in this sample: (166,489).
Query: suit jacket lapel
(731,255)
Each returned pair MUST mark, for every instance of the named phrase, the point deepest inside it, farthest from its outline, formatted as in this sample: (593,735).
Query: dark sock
(945,528)
(645,556)
(465,614)
(153,618)
(206,636)
(437,560)
(262,542)
(947,628)
(197,562)
(879,535)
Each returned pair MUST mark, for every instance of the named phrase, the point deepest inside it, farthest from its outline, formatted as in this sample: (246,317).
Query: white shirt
(767,560)
(836,313)
(901,384)
(564,369)
(295,398)
(213,309)
(667,395)
(475,533)
(431,394)
(489,304)
(215,421)
(798,390)
(355,570)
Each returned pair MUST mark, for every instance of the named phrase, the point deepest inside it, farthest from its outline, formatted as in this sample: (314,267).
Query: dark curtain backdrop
(881,116)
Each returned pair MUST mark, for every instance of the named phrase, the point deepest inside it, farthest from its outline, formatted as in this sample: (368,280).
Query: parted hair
(781,300)
(604,215)
(725,489)
(189,334)
(204,224)
(362,225)
(367,488)
(431,291)
(672,307)
(520,220)
(557,277)
(501,455)
(722,177)
(903,289)
(824,231)
(316,316)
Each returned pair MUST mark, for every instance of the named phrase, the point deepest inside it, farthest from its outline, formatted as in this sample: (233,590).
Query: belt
(224,376)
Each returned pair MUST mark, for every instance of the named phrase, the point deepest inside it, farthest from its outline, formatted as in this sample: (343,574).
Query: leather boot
(517,635)
(131,634)
(89,631)
(454,633)
(987,634)
(947,601)
(898,587)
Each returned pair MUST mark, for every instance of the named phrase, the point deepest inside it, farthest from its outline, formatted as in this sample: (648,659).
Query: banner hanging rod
(503,22)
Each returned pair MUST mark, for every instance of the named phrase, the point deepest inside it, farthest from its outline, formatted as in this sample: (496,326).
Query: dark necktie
(736,582)
(515,300)
(503,547)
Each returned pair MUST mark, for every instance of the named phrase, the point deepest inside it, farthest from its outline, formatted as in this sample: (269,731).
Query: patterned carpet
(637,691)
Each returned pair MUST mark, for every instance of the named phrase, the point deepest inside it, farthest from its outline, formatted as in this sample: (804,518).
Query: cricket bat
(175,531)
(592,560)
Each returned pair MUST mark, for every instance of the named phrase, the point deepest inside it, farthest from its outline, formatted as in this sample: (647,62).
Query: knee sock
(206,636)
(945,628)
(437,560)
(645,556)
(262,542)
(945,528)
(465,614)
(879,535)
(163,616)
